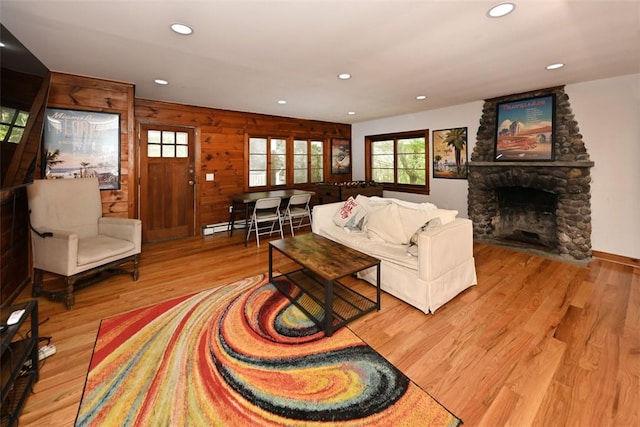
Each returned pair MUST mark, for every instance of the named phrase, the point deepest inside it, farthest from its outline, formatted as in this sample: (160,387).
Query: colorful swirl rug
(243,355)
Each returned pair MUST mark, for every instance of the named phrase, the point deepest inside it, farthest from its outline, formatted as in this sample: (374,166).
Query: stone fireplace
(544,205)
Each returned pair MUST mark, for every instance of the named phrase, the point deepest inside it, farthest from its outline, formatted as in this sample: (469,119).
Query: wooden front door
(167,182)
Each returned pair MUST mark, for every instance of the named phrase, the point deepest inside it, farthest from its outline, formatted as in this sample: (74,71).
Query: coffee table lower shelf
(347,304)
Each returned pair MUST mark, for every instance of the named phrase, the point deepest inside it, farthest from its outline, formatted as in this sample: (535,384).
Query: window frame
(309,142)
(289,161)
(395,186)
(11,126)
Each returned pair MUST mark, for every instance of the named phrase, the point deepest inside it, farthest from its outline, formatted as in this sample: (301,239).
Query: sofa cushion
(360,241)
(384,224)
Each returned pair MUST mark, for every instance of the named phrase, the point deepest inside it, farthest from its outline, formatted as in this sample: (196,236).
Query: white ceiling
(246,55)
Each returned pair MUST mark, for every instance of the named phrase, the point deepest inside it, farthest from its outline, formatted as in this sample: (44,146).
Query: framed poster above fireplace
(525,129)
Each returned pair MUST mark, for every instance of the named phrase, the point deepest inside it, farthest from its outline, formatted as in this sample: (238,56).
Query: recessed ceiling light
(554,66)
(344,76)
(351,113)
(501,9)
(421,97)
(181,29)
(1,44)
(282,101)
(161,82)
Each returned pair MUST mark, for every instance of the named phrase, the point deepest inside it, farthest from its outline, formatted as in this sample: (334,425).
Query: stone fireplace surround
(568,177)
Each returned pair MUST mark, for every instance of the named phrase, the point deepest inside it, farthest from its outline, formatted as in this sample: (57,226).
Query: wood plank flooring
(537,342)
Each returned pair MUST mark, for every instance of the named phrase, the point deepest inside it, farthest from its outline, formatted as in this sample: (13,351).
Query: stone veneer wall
(568,176)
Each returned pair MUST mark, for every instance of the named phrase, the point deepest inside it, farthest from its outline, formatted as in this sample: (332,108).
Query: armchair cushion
(96,248)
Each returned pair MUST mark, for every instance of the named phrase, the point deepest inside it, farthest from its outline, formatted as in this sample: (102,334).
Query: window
(399,161)
(307,161)
(12,124)
(267,158)
(275,162)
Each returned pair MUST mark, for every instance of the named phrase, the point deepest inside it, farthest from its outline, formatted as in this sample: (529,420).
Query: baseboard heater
(208,230)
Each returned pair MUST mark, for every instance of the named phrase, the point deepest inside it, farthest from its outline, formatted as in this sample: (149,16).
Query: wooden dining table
(245,201)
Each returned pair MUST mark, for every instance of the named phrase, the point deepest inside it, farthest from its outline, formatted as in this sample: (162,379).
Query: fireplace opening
(526,216)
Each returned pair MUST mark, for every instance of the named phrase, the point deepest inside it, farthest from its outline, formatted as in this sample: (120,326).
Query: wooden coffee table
(320,265)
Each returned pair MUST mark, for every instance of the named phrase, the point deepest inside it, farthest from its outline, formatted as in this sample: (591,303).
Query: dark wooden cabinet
(18,360)
(340,191)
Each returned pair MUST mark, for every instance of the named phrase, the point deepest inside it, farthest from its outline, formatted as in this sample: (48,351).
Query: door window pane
(168,138)
(154,136)
(182,138)
(153,150)
(168,151)
(182,151)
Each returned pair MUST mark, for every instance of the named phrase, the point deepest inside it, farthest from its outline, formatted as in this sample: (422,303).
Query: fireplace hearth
(542,205)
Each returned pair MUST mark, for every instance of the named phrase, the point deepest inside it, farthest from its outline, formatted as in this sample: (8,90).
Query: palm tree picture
(450,154)
(52,159)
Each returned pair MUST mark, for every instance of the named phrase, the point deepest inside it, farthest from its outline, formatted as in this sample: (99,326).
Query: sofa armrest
(443,248)
(323,216)
(57,253)
(122,228)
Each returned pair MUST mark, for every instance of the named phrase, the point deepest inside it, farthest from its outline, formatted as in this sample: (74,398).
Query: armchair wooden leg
(69,298)
(134,274)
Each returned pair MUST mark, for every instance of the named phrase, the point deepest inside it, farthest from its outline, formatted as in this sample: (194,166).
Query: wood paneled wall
(220,139)
(89,94)
(221,135)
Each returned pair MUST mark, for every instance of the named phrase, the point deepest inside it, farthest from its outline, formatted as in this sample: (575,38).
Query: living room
(606,110)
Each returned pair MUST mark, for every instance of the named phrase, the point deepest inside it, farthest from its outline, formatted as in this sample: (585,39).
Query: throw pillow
(413,241)
(350,215)
(385,224)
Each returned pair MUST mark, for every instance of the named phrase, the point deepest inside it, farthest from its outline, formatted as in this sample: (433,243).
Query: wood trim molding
(620,259)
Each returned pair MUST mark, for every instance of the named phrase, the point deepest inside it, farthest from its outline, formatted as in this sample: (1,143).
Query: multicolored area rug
(243,355)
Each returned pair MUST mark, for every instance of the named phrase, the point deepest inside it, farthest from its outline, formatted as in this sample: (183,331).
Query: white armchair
(71,238)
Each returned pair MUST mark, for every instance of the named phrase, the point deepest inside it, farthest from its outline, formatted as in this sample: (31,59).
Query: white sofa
(426,276)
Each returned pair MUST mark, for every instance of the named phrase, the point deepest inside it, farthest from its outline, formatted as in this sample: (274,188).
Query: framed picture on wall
(525,129)
(80,144)
(450,153)
(340,156)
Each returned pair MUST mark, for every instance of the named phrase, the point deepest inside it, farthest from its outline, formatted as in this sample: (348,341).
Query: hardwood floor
(537,342)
